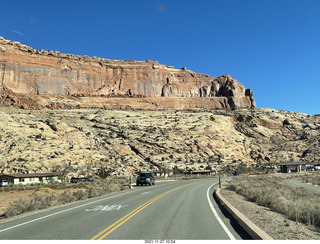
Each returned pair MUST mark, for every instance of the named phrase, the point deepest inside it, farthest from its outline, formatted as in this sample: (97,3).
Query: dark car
(236,173)
(80,179)
(145,178)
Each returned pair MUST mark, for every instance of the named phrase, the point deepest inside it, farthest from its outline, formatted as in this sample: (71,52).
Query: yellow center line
(104,233)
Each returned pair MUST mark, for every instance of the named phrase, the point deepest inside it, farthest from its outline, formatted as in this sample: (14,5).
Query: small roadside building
(159,173)
(292,166)
(31,178)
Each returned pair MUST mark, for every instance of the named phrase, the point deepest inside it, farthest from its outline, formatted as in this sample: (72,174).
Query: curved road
(176,210)
(298,183)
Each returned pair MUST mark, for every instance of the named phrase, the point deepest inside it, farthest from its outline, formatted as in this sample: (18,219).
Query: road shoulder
(274,224)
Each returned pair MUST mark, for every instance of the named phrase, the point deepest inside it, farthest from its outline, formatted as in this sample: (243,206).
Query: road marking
(107,231)
(143,193)
(106,208)
(127,216)
(217,216)
(63,211)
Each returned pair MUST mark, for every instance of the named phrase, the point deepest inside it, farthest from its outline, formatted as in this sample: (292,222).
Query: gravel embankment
(274,224)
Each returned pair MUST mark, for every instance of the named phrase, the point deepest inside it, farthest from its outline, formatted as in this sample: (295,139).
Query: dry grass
(45,197)
(45,190)
(312,178)
(38,187)
(297,204)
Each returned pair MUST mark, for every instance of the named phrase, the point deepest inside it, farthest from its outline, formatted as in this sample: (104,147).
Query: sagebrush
(298,204)
(44,198)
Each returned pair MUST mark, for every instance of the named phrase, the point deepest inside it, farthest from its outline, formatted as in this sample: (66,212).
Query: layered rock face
(31,73)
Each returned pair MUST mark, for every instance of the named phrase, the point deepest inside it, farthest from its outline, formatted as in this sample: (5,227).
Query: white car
(4,183)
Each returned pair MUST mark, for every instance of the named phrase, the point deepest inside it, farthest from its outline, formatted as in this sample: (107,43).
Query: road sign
(175,170)
(249,170)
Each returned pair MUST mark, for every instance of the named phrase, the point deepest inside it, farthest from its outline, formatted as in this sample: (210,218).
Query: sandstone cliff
(29,77)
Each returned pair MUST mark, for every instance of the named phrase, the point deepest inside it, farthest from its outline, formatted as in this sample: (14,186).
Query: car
(80,179)
(75,180)
(236,173)
(145,178)
(87,179)
(4,183)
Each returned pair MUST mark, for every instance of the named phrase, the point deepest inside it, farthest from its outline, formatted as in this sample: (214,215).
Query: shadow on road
(244,235)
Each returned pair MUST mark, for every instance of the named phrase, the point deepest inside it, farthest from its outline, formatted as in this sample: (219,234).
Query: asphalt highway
(171,210)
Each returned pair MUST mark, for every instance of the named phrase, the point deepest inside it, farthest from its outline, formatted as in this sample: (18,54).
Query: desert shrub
(80,194)
(45,190)
(95,191)
(232,187)
(312,178)
(66,197)
(297,204)
(36,201)
(18,207)
(114,187)
(45,197)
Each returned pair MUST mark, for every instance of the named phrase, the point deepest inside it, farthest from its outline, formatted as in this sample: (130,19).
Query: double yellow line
(107,231)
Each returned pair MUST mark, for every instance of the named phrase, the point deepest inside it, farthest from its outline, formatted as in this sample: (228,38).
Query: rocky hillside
(125,116)
(80,142)
(29,76)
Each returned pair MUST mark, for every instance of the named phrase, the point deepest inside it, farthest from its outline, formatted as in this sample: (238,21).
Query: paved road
(297,183)
(178,210)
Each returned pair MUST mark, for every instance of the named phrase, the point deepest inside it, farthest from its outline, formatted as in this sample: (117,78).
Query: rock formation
(82,141)
(28,76)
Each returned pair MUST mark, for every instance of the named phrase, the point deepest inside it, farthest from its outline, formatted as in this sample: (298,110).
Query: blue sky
(270,46)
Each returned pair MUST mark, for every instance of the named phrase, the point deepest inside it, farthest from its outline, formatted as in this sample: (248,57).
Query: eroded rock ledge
(30,77)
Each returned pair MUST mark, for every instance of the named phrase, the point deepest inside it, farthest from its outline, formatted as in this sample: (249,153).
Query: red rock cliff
(27,72)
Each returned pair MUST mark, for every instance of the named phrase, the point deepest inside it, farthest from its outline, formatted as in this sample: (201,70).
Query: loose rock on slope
(80,142)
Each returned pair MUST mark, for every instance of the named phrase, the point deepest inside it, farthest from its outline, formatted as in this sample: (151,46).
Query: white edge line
(217,216)
(79,206)
(46,216)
